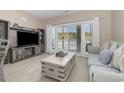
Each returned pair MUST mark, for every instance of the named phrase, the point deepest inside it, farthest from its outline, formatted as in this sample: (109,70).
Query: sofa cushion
(116,57)
(105,56)
(94,69)
(121,63)
(93,59)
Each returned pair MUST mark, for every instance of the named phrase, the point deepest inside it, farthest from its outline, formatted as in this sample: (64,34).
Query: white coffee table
(58,67)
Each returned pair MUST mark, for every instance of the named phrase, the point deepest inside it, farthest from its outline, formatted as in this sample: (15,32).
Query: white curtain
(96,39)
(51,39)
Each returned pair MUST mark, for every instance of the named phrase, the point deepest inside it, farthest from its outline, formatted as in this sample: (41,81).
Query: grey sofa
(99,72)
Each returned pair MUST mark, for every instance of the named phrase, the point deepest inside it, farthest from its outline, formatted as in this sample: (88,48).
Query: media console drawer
(18,54)
(28,52)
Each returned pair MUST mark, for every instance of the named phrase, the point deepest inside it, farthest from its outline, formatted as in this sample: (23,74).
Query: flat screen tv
(27,38)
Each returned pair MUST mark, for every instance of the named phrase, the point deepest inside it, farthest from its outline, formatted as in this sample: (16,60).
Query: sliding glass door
(76,37)
(68,37)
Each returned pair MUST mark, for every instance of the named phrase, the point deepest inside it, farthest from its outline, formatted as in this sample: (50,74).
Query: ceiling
(45,14)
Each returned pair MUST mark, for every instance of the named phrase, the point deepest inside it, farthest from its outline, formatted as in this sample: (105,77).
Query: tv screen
(27,38)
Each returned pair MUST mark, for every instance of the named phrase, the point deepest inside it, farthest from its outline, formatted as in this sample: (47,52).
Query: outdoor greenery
(88,35)
(72,36)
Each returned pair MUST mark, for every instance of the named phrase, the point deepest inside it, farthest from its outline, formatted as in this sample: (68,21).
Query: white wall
(22,18)
(118,25)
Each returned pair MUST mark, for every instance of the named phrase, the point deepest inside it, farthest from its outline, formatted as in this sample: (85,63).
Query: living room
(51,46)
(62,45)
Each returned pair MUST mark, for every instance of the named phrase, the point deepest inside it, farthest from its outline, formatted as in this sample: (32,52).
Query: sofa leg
(91,77)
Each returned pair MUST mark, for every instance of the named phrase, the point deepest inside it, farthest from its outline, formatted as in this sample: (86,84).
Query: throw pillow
(116,57)
(105,56)
(121,63)
(112,46)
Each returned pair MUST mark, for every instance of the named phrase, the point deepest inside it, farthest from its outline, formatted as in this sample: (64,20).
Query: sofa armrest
(107,76)
(93,50)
